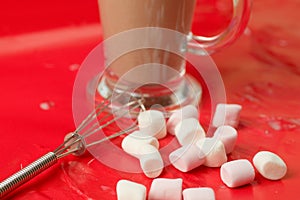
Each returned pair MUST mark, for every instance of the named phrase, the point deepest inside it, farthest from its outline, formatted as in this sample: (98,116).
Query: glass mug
(157,74)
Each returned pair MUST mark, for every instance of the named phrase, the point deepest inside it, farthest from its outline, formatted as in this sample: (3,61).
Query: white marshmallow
(151,161)
(214,151)
(237,173)
(153,123)
(130,190)
(188,111)
(227,135)
(202,193)
(269,165)
(165,189)
(132,142)
(189,131)
(187,157)
(227,114)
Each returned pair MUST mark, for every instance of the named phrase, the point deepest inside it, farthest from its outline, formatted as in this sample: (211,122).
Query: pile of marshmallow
(162,189)
(196,149)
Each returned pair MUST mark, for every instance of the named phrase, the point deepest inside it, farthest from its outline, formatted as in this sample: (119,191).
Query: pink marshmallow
(201,193)
(188,111)
(165,189)
(152,123)
(187,157)
(227,135)
(189,131)
(227,114)
(237,173)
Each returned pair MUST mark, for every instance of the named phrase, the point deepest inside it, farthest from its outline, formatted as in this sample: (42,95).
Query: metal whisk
(75,142)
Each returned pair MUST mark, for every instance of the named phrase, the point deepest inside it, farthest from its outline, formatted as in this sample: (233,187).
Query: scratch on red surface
(72,186)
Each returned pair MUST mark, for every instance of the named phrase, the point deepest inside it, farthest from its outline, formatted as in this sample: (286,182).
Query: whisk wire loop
(75,143)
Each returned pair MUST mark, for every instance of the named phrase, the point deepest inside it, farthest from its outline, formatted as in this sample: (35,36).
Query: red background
(41,43)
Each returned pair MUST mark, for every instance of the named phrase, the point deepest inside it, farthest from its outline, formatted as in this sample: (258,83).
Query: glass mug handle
(237,25)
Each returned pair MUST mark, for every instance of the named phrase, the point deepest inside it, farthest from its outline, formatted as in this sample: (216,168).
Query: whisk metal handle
(27,173)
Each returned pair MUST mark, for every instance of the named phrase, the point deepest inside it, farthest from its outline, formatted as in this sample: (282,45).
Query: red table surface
(43,43)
